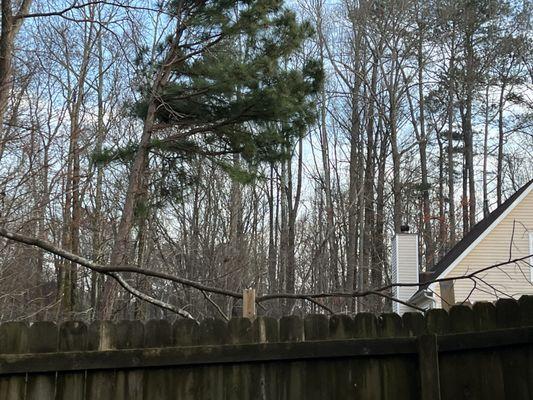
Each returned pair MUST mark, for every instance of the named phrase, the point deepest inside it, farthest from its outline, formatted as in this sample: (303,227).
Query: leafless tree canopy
(425,118)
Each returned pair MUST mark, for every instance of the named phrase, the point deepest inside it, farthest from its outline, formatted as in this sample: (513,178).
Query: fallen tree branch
(122,282)
(311,297)
(95,267)
(378,291)
(51,248)
(319,304)
(111,271)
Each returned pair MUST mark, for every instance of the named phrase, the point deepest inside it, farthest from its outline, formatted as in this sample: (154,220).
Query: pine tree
(232,89)
(224,83)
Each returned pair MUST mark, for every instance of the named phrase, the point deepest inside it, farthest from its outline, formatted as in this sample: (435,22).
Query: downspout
(427,295)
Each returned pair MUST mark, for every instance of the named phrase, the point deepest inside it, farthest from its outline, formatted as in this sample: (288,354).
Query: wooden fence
(484,352)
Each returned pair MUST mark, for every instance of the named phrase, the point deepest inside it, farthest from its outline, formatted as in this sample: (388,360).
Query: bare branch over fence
(113,272)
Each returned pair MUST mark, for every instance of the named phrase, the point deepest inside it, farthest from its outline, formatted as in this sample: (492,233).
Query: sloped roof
(478,229)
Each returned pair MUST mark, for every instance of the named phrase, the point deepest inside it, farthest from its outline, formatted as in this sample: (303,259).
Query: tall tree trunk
(333,250)
(394,95)
(73,196)
(97,239)
(486,154)
(451,164)
(442,217)
(284,231)
(120,251)
(396,156)
(293,201)
(10,25)
(467,127)
(272,286)
(354,173)
(380,253)
(140,311)
(330,217)
(353,234)
(464,199)
(501,137)
(368,185)
(236,239)
(422,145)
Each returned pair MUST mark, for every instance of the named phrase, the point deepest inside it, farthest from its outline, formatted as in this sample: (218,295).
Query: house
(505,234)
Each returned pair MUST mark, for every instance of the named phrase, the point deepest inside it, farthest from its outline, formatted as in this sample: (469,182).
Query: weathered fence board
(72,337)
(100,384)
(480,352)
(42,338)
(13,339)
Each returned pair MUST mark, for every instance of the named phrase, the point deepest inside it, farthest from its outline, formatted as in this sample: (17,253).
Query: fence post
(428,364)
(248,303)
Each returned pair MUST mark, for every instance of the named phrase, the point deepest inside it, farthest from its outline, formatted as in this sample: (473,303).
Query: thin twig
(316,302)
(149,299)
(209,299)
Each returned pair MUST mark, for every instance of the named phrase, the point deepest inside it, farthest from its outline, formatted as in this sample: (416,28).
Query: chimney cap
(404,228)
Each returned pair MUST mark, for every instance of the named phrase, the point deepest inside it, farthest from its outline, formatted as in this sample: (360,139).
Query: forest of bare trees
(367,115)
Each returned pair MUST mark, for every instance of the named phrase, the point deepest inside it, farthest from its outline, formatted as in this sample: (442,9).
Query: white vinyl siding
(495,247)
(531,258)
(405,260)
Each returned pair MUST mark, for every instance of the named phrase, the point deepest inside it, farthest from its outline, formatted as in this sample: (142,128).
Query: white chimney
(404,268)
